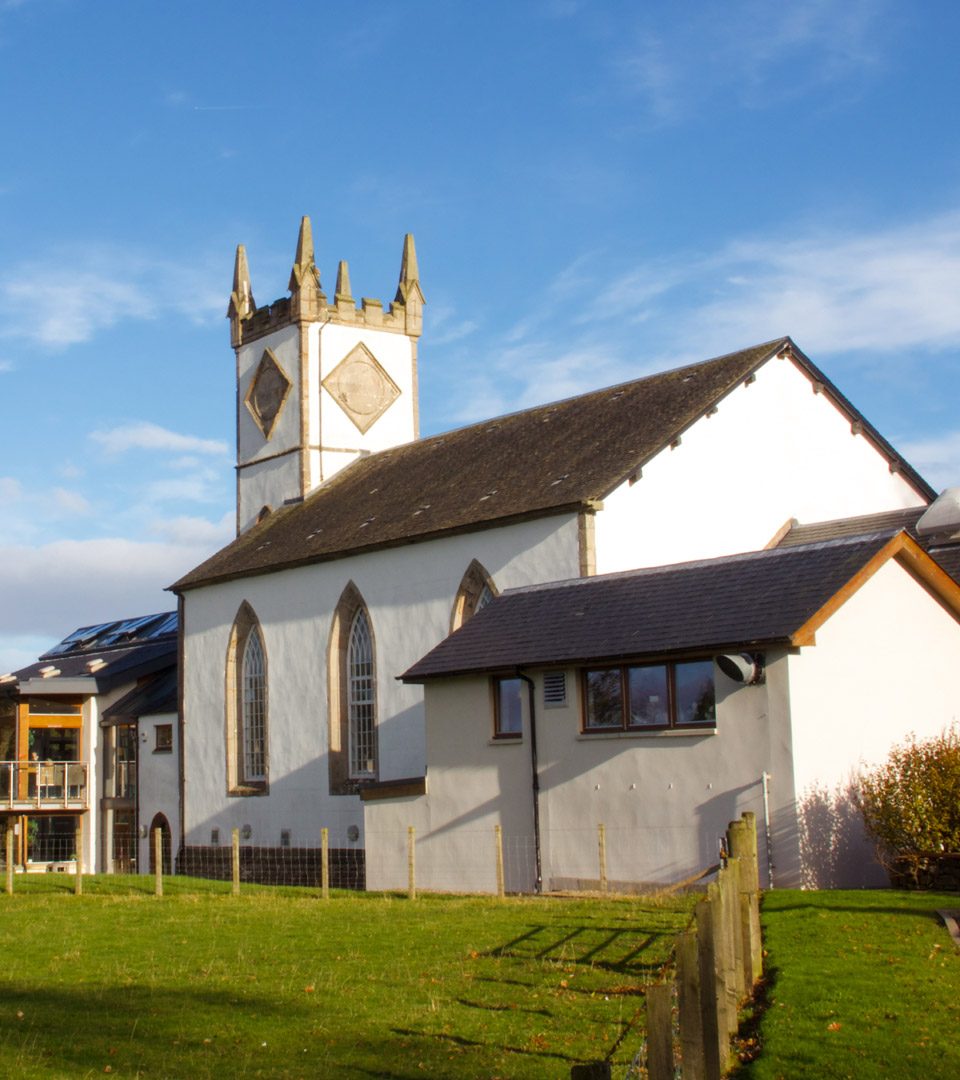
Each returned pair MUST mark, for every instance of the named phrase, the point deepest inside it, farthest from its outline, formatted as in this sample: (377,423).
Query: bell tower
(319,383)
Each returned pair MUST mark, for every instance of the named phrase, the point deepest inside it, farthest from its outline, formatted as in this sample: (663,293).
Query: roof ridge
(739,556)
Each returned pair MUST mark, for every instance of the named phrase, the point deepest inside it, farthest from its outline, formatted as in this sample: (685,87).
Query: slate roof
(888,522)
(712,605)
(550,459)
(130,648)
(159,694)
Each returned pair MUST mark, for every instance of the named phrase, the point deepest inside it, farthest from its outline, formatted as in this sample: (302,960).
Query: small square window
(163,739)
(214,837)
(508,709)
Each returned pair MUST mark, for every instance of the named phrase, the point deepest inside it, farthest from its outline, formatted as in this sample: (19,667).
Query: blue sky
(597,190)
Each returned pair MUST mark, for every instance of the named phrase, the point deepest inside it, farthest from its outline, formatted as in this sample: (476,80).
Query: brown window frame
(498,732)
(625,725)
(164,746)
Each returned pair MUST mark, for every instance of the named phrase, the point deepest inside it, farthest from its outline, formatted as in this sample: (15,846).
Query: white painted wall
(394,353)
(774,450)
(664,798)
(158,784)
(409,592)
(883,666)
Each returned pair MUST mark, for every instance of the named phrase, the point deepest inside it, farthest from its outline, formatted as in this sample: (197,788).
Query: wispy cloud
(865,294)
(197,530)
(145,435)
(5,365)
(72,502)
(104,286)
(938,459)
(742,49)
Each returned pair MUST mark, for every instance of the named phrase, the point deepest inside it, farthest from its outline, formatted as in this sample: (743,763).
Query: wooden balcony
(30,787)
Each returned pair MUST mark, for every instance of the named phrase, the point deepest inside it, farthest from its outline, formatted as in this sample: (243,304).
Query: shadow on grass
(445,1038)
(605,948)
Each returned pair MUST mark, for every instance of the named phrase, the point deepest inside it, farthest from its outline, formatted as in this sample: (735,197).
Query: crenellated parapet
(308,302)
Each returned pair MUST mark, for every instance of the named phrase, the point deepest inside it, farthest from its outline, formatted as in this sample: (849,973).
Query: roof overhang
(84,685)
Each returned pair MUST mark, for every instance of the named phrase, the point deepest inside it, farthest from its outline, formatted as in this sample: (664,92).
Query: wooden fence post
(235,861)
(498,841)
(325,863)
(602,852)
(158,862)
(660,1032)
(688,1003)
(10,837)
(78,842)
(411,862)
(712,997)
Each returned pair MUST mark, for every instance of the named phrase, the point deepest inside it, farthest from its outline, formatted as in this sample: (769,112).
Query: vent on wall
(554,688)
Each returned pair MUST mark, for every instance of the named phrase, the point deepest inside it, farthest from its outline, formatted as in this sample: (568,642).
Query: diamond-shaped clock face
(268,393)
(360,386)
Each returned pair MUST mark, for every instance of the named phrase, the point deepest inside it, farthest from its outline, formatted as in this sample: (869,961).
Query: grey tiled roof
(158,694)
(888,522)
(545,460)
(737,602)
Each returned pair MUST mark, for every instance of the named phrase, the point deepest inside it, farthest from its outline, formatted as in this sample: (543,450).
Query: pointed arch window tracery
(353,742)
(475,592)
(247,701)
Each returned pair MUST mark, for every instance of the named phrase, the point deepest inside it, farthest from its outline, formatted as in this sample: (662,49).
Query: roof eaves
(776,347)
(896,459)
(185,584)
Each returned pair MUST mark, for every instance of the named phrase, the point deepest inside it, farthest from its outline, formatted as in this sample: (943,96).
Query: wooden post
(728,905)
(660,1032)
(325,863)
(235,861)
(498,841)
(158,861)
(10,858)
(742,838)
(688,1007)
(711,988)
(602,846)
(78,841)
(411,862)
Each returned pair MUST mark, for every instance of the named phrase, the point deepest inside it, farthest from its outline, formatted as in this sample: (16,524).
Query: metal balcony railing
(28,786)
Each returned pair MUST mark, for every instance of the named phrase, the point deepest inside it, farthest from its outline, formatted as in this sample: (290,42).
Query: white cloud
(6,365)
(71,501)
(50,589)
(10,489)
(101,287)
(145,435)
(938,459)
(754,51)
(869,295)
(197,530)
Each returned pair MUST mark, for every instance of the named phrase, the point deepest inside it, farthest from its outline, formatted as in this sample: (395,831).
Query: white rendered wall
(394,353)
(883,666)
(773,450)
(158,784)
(278,479)
(332,439)
(409,592)
(665,798)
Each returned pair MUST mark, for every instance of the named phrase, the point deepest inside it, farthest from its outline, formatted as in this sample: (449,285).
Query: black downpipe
(535,779)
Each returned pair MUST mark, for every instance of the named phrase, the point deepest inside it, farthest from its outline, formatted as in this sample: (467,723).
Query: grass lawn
(861,984)
(278,983)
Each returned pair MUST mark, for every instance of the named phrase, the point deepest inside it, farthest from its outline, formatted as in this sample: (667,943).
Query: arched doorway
(161,823)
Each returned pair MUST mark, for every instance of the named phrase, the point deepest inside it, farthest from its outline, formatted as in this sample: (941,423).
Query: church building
(361,546)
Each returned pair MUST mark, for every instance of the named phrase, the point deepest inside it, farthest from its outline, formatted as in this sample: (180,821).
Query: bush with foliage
(911,803)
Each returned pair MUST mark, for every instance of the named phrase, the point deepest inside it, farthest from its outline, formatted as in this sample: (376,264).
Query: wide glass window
(646,696)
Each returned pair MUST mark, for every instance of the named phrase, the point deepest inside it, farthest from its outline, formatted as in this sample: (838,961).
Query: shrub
(911,803)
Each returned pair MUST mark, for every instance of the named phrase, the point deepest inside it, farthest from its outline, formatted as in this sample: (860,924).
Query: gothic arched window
(353,753)
(246,706)
(476,591)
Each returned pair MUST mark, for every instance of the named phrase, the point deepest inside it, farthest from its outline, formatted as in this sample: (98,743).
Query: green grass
(278,983)
(861,984)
